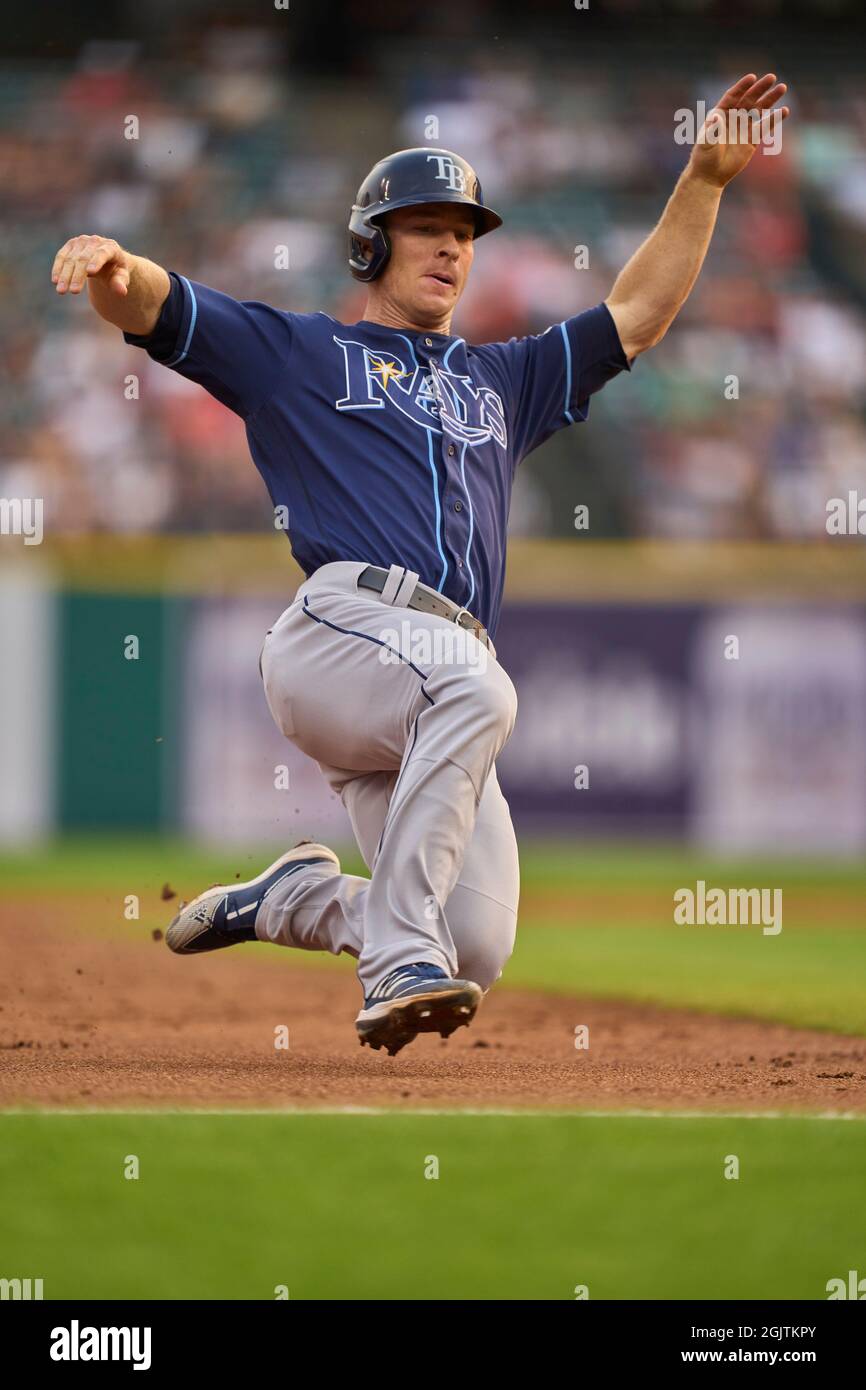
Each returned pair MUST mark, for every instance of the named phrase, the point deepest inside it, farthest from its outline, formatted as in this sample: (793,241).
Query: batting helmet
(403,179)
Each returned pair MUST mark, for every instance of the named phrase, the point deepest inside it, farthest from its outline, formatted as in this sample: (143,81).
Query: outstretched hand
(728,138)
(95,258)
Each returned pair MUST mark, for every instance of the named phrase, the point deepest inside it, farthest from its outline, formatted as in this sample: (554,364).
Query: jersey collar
(419,333)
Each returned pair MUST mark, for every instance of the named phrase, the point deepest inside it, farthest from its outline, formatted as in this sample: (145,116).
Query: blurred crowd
(741,424)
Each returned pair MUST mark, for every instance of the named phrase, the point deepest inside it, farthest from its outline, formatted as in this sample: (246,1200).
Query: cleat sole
(442,1012)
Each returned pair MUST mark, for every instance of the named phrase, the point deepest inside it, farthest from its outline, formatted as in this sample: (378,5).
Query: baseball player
(392,444)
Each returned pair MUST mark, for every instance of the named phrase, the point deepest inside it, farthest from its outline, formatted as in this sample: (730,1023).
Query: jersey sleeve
(553,374)
(237,350)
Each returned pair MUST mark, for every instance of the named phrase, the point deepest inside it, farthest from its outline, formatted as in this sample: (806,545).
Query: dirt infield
(97,1021)
(93,1020)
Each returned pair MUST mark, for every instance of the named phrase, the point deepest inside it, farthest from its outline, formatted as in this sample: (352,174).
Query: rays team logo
(438,400)
(449,172)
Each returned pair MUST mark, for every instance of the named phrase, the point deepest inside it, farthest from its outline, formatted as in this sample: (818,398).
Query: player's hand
(86,258)
(725,145)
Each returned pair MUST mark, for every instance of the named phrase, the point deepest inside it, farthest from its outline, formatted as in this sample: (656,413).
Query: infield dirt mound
(96,1021)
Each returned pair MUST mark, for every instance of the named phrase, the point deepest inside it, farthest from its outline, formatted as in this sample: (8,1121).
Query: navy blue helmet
(422,175)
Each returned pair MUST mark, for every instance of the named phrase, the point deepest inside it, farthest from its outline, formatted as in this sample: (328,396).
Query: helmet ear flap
(366,267)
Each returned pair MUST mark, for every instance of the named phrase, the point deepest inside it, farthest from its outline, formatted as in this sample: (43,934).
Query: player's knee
(494,698)
(484,955)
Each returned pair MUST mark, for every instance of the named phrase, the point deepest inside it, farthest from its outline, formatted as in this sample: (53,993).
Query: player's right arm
(238,350)
(125,290)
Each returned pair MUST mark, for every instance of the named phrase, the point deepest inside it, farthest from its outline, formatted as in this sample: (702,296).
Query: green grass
(601,923)
(89,862)
(122,863)
(555,863)
(337,1207)
(525,1207)
(804,979)
(595,920)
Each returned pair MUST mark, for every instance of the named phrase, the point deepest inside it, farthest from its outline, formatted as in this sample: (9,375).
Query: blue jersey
(395,447)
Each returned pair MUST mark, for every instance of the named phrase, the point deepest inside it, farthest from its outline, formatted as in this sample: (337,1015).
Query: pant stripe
(352,632)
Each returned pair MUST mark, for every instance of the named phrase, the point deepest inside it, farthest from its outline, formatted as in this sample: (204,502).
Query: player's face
(431,253)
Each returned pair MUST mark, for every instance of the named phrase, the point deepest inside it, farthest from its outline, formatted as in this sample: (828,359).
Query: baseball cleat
(415,999)
(226,914)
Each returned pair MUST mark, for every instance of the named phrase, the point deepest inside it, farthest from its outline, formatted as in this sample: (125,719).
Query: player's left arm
(652,288)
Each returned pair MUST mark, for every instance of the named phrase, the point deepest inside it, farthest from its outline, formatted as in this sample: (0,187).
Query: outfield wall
(131,697)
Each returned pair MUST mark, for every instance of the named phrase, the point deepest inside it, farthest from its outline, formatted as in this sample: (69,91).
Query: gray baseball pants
(405,714)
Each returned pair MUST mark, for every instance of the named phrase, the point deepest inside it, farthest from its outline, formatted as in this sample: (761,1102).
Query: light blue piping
(175,361)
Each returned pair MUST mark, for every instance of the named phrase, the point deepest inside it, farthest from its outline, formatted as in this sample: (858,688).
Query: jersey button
(451,450)
(460,564)
(458,506)
(428,342)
